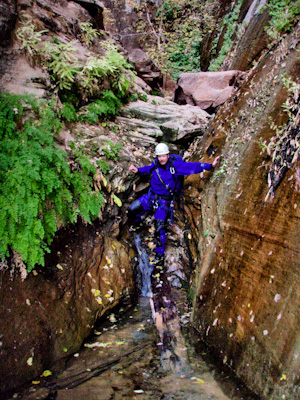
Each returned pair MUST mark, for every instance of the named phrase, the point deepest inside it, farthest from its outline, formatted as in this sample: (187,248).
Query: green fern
(107,106)
(112,150)
(68,112)
(63,63)
(37,187)
(29,38)
(103,165)
(88,33)
(113,66)
(284,14)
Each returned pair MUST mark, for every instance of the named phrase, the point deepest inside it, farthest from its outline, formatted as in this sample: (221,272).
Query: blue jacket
(181,168)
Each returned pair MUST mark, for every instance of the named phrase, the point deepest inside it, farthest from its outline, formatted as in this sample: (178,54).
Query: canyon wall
(246,303)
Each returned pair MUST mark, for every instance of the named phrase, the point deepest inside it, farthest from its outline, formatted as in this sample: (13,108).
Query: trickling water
(144,266)
(132,358)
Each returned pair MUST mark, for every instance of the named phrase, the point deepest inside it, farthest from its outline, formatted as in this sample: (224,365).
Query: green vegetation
(38,190)
(68,113)
(174,35)
(62,63)
(283,16)
(230,24)
(29,39)
(112,150)
(77,81)
(103,165)
(107,106)
(88,33)
(223,170)
(112,67)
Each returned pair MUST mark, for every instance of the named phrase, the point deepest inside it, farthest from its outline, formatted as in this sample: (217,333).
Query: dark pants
(160,207)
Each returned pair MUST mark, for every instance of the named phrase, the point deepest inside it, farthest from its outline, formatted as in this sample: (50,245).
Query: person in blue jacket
(165,172)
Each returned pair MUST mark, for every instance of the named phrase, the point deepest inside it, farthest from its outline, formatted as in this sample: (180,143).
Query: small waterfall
(144,266)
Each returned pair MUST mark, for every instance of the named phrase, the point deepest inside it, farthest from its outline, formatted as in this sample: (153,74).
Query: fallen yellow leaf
(30,361)
(198,380)
(46,373)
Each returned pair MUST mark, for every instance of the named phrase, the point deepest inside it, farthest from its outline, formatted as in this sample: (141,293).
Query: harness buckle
(172,170)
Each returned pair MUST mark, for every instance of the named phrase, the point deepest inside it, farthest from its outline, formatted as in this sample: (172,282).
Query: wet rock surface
(8,16)
(246,301)
(50,313)
(124,359)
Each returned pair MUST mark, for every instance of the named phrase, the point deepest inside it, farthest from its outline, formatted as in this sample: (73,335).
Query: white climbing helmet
(161,149)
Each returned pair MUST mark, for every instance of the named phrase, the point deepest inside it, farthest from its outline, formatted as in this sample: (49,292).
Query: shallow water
(126,359)
(148,352)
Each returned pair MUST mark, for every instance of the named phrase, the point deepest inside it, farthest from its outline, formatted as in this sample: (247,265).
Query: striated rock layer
(246,304)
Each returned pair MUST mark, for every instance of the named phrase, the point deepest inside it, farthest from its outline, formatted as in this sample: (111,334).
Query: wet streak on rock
(173,356)
(164,304)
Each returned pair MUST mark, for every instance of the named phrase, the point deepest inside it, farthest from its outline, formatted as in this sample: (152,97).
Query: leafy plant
(88,33)
(230,23)
(63,63)
(112,150)
(37,186)
(29,39)
(113,66)
(283,16)
(172,39)
(223,170)
(107,106)
(116,200)
(69,74)
(103,165)
(68,112)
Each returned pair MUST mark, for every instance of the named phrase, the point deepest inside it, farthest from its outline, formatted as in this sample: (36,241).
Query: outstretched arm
(189,168)
(147,169)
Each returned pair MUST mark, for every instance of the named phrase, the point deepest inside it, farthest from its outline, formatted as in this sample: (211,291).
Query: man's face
(163,159)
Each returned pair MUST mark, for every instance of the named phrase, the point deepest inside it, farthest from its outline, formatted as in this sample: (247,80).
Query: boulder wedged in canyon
(207,90)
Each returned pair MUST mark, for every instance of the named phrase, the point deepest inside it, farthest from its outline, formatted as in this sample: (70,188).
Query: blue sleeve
(147,169)
(189,168)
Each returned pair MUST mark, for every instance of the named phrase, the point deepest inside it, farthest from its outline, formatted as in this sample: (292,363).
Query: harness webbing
(172,193)
(160,178)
